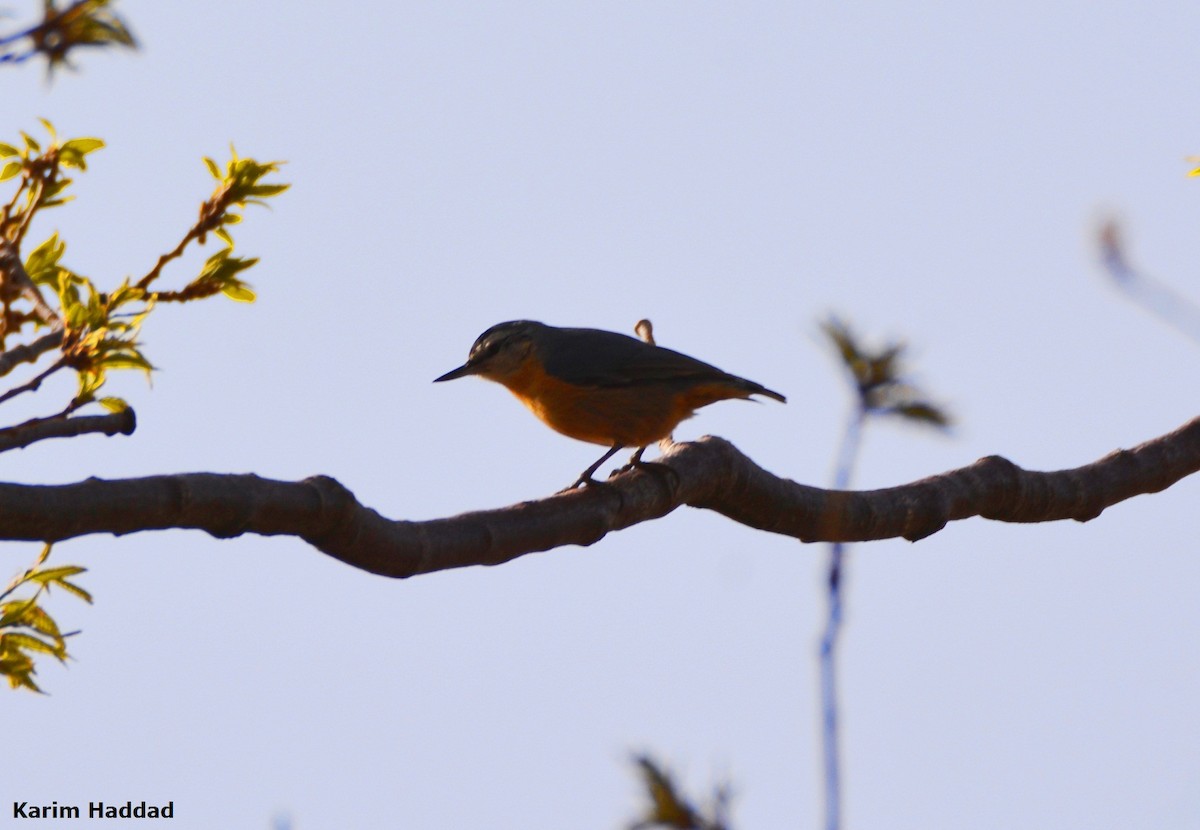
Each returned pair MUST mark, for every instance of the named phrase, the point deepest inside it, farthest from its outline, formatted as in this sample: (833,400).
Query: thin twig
(33,384)
(827,652)
(1157,297)
(145,281)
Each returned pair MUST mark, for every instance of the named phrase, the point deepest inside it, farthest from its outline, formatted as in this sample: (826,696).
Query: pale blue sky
(733,172)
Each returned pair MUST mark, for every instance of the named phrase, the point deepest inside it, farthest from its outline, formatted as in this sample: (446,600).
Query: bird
(600,386)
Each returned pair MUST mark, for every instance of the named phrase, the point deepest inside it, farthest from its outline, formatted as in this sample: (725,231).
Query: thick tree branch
(709,473)
(60,426)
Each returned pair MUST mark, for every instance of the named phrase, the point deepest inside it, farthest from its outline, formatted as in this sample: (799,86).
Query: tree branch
(36,382)
(29,352)
(60,426)
(709,474)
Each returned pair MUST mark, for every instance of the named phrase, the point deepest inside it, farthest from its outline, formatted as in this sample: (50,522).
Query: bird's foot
(582,481)
(653,467)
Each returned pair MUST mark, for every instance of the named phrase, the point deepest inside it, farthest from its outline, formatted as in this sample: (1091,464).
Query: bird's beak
(460,372)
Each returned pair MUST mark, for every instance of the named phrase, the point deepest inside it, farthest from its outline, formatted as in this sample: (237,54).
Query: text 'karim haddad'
(95,809)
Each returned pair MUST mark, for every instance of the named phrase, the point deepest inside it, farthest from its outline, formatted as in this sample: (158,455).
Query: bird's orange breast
(628,416)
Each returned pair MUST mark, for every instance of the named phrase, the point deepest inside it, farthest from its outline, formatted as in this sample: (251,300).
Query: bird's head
(499,352)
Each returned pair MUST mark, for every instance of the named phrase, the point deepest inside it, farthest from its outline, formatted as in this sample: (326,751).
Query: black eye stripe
(485,350)
(489,349)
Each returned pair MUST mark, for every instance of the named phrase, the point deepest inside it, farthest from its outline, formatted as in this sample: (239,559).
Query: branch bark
(709,474)
(61,426)
(29,352)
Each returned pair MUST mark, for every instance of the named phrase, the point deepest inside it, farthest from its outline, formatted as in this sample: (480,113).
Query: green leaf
(11,169)
(53,188)
(89,382)
(7,150)
(42,263)
(30,144)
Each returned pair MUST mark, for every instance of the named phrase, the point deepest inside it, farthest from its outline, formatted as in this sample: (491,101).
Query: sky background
(734,172)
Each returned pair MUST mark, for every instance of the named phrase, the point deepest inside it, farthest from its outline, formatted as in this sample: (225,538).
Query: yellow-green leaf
(126,361)
(83,145)
(239,292)
(267,189)
(27,642)
(72,588)
(7,150)
(52,574)
(40,621)
(113,404)
(14,612)
(11,169)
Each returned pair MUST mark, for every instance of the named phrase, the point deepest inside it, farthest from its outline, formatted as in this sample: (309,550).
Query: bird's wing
(590,357)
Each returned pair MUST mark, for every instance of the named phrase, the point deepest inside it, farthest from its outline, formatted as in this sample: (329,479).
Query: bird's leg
(656,467)
(586,476)
(636,461)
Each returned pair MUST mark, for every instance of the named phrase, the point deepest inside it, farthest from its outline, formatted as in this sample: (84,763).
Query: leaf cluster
(879,379)
(239,184)
(59,320)
(25,627)
(90,24)
(43,180)
(95,331)
(668,807)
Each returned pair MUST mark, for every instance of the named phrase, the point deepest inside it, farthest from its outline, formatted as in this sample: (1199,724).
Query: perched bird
(599,386)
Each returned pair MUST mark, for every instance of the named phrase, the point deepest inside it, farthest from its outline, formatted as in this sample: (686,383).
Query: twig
(33,384)
(154,273)
(29,352)
(61,426)
(1156,297)
(827,651)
